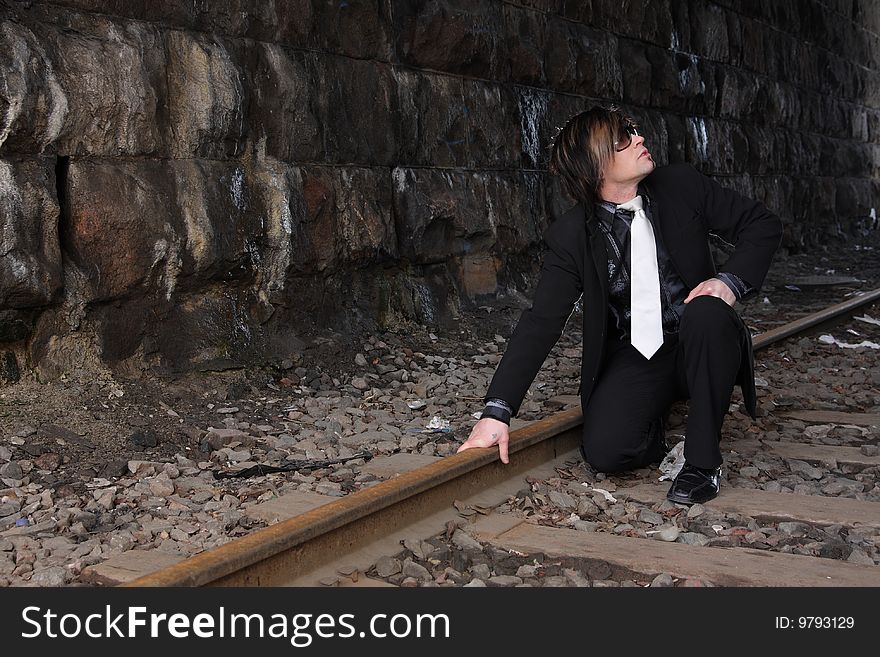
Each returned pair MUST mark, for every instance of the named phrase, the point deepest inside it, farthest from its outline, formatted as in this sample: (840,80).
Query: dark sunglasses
(624,136)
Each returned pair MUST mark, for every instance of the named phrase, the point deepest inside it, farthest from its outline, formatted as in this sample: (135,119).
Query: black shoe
(694,485)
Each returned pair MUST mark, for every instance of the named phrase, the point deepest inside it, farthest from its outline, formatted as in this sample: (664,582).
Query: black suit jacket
(687,206)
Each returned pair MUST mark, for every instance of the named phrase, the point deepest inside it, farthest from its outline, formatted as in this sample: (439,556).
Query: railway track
(469,510)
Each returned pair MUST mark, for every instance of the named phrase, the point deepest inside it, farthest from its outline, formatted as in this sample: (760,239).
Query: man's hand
(488,432)
(714,287)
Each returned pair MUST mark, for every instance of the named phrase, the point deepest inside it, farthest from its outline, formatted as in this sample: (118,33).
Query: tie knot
(633,205)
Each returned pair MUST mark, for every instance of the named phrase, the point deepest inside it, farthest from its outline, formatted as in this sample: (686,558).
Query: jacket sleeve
(539,327)
(753,230)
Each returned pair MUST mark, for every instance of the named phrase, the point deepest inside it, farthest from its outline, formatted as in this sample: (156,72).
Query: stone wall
(188,184)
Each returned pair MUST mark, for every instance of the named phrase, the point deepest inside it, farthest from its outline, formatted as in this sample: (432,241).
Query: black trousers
(632,393)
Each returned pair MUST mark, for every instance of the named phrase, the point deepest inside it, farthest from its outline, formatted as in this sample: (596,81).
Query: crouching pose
(658,318)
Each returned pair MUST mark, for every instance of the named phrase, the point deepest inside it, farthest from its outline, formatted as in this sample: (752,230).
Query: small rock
(693,538)
(161,485)
(562,500)
(481,571)
(113,468)
(387,566)
(475,583)
(669,534)
(842,485)
(54,576)
(575,578)
(420,549)
(419,572)
(805,469)
(585,525)
(463,540)
(48,461)
(11,470)
(793,528)
(695,511)
(144,438)
(360,361)
(860,557)
(586,507)
(694,583)
(360,383)
(650,517)
(870,450)
(217,439)
(835,549)
(663,579)
(504,580)
(526,571)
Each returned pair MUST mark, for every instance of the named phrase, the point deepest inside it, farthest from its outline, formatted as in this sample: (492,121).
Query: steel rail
(279,553)
(815,319)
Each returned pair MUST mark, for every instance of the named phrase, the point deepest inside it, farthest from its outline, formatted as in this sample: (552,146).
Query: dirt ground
(89,425)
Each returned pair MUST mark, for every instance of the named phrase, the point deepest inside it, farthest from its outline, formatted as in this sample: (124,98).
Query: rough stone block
(582,60)
(719,145)
(525,33)
(649,21)
(356,101)
(465,38)
(219,205)
(736,91)
(206,97)
(478,274)
(147,224)
(113,79)
(494,124)
(283,111)
(440,213)
(33,106)
(517,210)
(709,31)
(355,29)
(347,218)
(432,119)
(30,269)
(635,72)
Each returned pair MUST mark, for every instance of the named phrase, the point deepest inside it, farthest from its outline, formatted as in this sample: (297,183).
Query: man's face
(631,164)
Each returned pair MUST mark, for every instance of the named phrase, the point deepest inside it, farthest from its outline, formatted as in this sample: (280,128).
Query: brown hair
(582,149)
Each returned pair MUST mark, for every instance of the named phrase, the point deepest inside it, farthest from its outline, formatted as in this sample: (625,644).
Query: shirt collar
(610,208)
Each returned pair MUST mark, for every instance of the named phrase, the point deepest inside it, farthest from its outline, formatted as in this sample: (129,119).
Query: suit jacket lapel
(597,255)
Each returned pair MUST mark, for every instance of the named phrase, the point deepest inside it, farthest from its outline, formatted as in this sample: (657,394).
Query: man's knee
(706,312)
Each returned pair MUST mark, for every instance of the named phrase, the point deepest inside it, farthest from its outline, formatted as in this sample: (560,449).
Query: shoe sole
(689,502)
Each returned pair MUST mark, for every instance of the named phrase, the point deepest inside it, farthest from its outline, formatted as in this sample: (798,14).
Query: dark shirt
(615,227)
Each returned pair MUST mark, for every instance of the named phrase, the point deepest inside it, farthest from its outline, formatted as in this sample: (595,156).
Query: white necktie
(646,321)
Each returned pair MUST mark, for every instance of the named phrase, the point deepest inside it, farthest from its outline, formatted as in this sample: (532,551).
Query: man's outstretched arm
(537,331)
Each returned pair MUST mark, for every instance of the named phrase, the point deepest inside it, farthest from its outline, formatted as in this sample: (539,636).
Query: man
(658,319)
